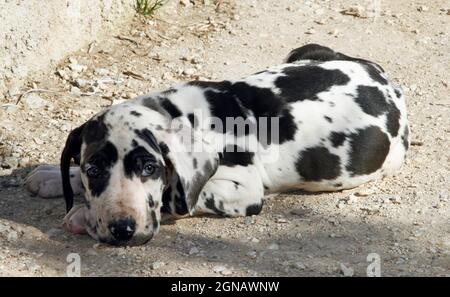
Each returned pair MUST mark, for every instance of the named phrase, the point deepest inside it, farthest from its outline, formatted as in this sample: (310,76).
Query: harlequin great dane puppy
(322,121)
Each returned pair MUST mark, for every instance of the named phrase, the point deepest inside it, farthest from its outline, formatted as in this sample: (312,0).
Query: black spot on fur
(337,138)
(393,119)
(191,117)
(305,82)
(210,204)
(95,130)
(135,160)
(239,100)
(104,159)
(329,120)
(317,163)
(170,108)
(236,184)
(397,93)
(373,102)
(194,163)
(369,148)
(337,185)
(164,148)
(154,220)
(405,138)
(375,74)
(234,155)
(151,203)
(253,209)
(149,138)
(135,113)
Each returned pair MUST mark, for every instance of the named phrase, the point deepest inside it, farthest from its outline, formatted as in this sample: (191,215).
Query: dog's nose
(122,229)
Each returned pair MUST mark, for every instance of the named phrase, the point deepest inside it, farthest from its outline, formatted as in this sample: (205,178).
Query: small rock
(299,265)
(92,252)
(185,2)
(34,101)
(299,212)
(282,221)
(356,11)
(254,240)
(9,108)
(226,272)
(273,247)
(54,232)
(167,76)
(364,193)
(12,236)
(346,271)
(157,265)
(351,199)
(194,250)
(394,199)
(219,268)
(10,162)
(189,71)
(422,8)
(75,91)
(248,221)
(101,71)
(252,254)
(80,83)
(310,31)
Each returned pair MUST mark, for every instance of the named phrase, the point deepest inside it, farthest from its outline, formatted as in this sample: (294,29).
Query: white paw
(45,181)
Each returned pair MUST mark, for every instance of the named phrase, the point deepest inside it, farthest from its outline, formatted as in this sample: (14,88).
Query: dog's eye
(93,171)
(148,169)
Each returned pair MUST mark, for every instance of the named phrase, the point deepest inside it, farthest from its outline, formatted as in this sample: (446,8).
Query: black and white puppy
(322,121)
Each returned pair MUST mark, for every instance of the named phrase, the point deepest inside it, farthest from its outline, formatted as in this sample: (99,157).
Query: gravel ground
(405,219)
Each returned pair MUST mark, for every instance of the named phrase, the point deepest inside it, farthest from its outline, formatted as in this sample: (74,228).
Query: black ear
(71,150)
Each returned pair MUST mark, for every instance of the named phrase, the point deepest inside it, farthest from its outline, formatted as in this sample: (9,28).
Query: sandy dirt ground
(404,220)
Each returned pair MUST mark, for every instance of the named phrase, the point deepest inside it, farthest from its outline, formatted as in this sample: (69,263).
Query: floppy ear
(191,160)
(71,150)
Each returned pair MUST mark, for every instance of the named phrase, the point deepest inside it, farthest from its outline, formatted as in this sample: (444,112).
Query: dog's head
(130,157)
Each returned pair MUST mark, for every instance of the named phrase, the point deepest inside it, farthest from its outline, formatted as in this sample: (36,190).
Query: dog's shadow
(246,246)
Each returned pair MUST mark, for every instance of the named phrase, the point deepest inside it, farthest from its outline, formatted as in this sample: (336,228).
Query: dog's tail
(318,52)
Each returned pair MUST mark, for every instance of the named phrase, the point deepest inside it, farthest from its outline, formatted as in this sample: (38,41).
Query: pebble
(219,268)
(54,232)
(299,265)
(10,162)
(299,212)
(157,265)
(364,193)
(75,91)
(101,71)
(422,8)
(346,271)
(9,108)
(252,254)
(194,250)
(80,83)
(12,236)
(34,101)
(394,199)
(351,199)
(189,71)
(282,221)
(273,247)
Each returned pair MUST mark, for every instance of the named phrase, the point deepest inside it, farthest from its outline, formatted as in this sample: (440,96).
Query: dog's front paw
(45,181)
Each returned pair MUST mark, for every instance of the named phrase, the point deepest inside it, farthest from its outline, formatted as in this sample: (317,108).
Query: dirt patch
(404,219)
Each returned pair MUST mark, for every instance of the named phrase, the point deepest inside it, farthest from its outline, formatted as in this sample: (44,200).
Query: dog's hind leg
(45,181)
(232,192)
